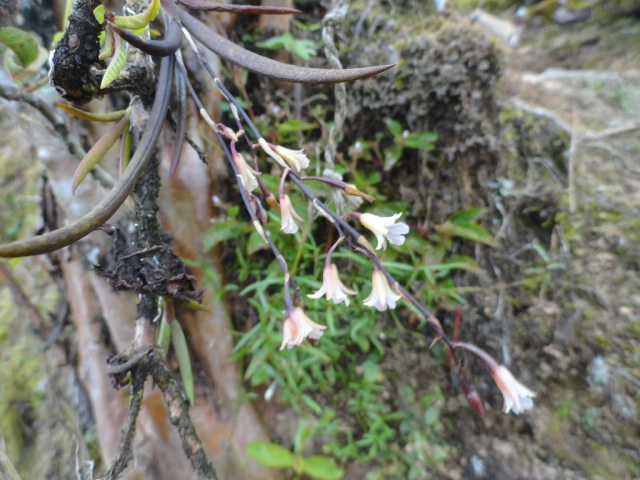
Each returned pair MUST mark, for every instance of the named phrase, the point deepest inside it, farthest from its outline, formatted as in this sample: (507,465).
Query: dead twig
(124,367)
(124,453)
(180,418)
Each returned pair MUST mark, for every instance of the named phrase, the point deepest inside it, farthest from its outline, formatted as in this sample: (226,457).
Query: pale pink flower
(285,157)
(266,147)
(332,287)
(245,172)
(295,159)
(381,296)
(385,228)
(297,326)
(287,214)
(517,397)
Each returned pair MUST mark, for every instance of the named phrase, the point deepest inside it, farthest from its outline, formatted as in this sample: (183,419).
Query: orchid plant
(248,154)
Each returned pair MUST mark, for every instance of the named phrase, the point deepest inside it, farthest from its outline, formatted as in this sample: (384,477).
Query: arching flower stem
(266,235)
(517,397)
(327,261)
(347,233)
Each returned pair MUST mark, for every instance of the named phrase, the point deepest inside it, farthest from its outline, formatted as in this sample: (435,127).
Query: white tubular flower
(246,173)
(385,228)
(332,287)
(381,296)
(269,151)
(295,159)
(517,397)
(287,214)
(297,326)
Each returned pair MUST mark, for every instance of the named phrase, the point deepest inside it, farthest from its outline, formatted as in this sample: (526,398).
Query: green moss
(21,377)
(19,182)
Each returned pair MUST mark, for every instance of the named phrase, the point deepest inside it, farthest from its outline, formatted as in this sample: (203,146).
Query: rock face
(444,82)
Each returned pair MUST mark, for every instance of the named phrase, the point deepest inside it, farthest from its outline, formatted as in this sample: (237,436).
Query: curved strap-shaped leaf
(93,117)
(181,350)
(107,207)
(246,9)
(181,122)
(98,151)
(160,48)
(263,65)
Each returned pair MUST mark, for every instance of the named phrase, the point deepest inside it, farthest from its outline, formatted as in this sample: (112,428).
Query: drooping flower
(287,214)
(297,326)
(285,157)
(296,159)
(381,296)
(245,172)
(332,287)
(517,397)
(385,228)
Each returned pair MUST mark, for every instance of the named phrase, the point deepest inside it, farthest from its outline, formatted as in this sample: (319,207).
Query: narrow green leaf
(256,363)
(303,48)
(467,230)
(164,335)
(117,63)
(184,360)
(467,215)
(294,126)
(269,454)
(248,336)
(463,262)
(420,140)
(541,251)
(190,304)
(97,117)
(125,151)
(98,151)
(312,404)
(260,285)
(223,231)
(141,20)
(98,13)
(22,43)
(323,468)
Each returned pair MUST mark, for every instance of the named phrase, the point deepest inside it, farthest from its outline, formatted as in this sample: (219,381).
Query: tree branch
(125,452)
(179,417)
